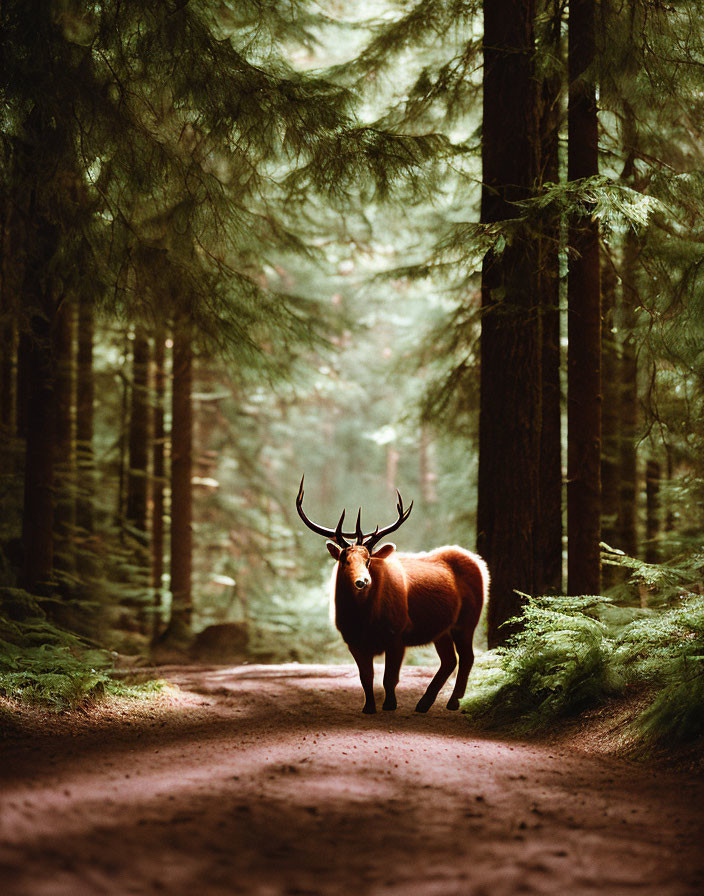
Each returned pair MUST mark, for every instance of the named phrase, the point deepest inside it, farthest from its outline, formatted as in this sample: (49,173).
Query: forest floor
(269,780)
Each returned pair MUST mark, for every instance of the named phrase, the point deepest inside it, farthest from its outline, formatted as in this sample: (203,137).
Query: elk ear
(384,551)
(334,549)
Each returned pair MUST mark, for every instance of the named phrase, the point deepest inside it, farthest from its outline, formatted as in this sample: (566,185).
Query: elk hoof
(453,703)
(390,704)
(369,709)
(423,706)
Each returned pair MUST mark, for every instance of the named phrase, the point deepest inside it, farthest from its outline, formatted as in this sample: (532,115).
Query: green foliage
(611,203)
(574,652)
(667,649)
(558,664)
(662,582)
(41,663)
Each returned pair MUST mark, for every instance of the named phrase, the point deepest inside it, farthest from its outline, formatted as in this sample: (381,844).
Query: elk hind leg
(448,661)
(392,669)
(465,651)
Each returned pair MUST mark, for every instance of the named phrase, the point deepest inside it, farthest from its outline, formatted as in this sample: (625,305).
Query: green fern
(41,663)
(575,652)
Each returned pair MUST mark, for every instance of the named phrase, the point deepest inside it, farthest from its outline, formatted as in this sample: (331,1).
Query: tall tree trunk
(426,473)
(652,503)
(36,365)
(85,398)
(8,342)
(610,419)
(137,481)
(670,470)
(583,319)
(22,383)
(122,468)
(181,470)
(428,490)
(627,515)
(8,347)
(392,458)
(549,506)
(64,486)
(510,394)
(138,439)
(40,431)
(158,470)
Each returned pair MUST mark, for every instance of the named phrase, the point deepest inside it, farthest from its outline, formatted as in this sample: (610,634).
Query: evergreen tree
(548,523)
(584,317)
(65,484)
(610,416)
(158,473)
(138,438)
(181,475)
(85,398)
(158,135)
(510,402)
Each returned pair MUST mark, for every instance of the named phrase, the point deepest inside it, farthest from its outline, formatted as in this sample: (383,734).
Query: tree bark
(627,515)
(64,485)
(510,394)
(7,393)
(138,439)
(652,503)
(549,506)
(36,365)
(40,431)
(158,470)
(8,341)
(181,469)
(426,471)
(610,420)
(85,399)
(583,319)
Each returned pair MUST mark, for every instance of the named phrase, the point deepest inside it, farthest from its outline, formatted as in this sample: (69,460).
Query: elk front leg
(365,664)
(392,668)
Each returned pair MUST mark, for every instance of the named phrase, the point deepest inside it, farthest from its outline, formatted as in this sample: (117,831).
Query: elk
(385,602)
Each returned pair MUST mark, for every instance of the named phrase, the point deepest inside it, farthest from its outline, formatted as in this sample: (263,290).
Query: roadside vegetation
(577,653)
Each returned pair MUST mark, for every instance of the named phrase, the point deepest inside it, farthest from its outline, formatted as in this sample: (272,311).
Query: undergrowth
(575,652)
(44,664)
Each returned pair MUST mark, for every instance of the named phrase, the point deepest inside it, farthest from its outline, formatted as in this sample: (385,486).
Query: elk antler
(336,534)
(368,540)
(358,534)
(378,533)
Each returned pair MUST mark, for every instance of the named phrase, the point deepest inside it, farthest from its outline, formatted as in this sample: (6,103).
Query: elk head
(355,557)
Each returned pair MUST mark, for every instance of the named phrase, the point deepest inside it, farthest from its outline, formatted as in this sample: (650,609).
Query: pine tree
(610,415)
(138,438)
(510,402)
(181,474)
(65,481)
(158,473)
(85,398)
(157,135)
(548,524)
(584,318)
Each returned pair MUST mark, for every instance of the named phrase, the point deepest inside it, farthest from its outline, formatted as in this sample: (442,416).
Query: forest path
(269,780)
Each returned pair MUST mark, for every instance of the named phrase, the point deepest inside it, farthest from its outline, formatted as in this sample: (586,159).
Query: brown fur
(412,599)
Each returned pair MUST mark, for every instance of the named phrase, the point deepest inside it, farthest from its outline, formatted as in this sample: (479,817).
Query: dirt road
(269,780)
